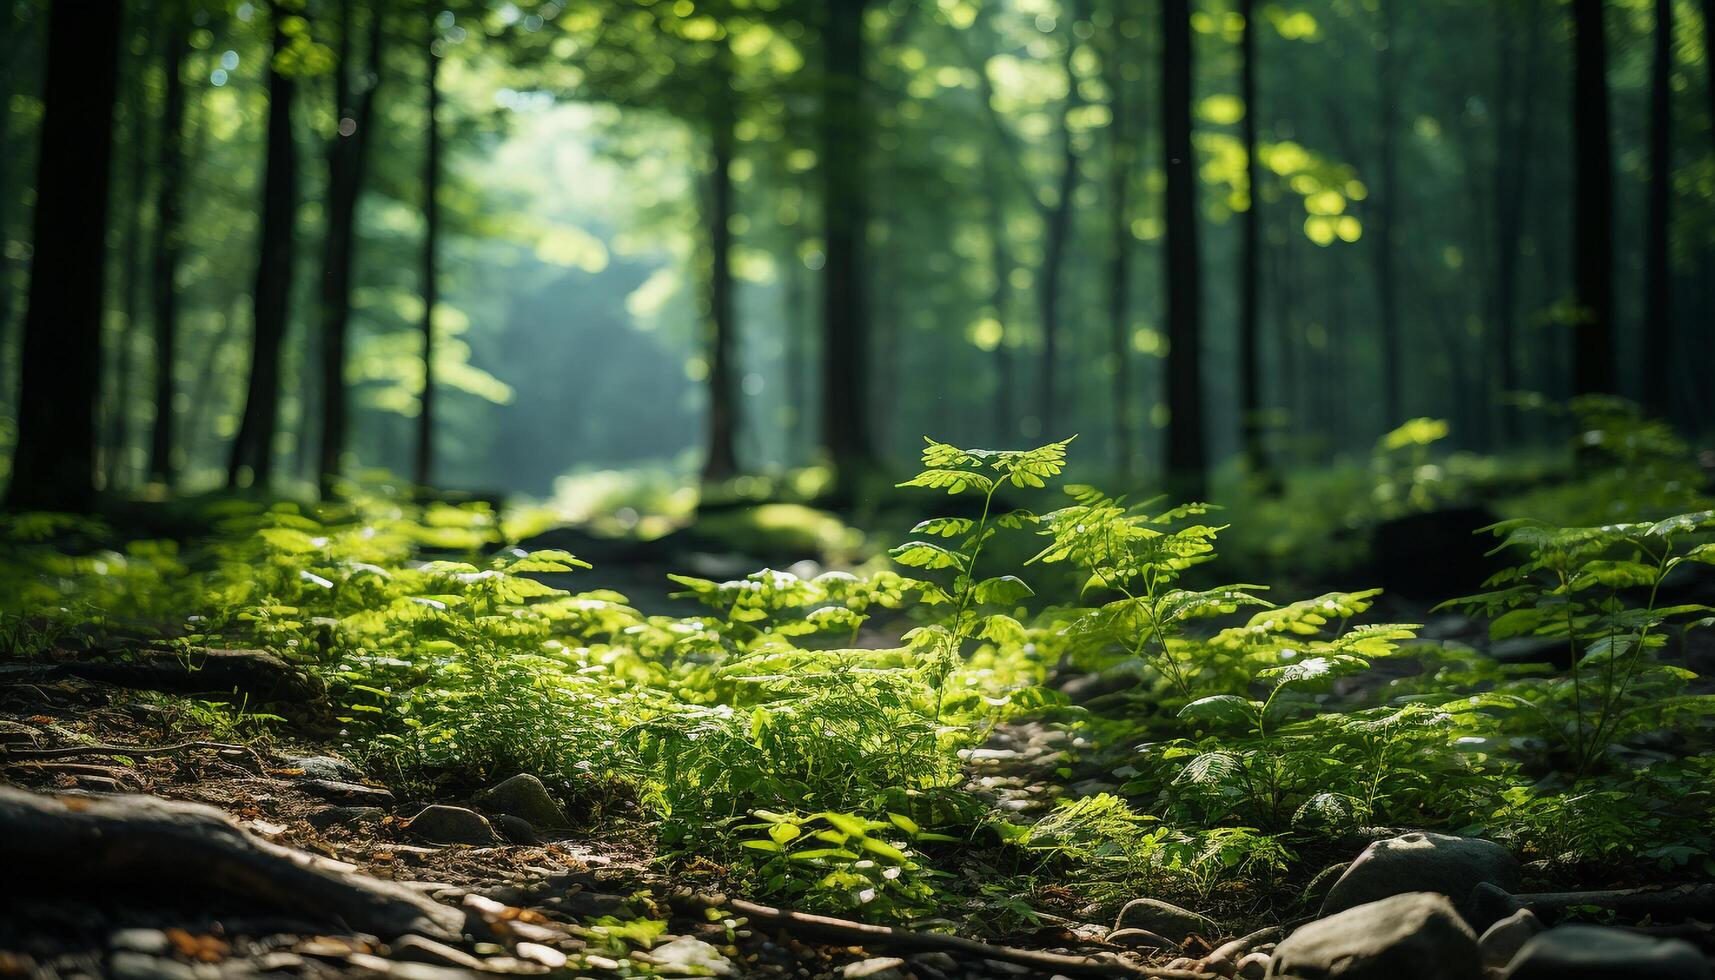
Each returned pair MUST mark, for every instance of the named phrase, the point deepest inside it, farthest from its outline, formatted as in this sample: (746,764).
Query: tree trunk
(1512,165)
(844,125)
(1658,353)
(1056,239)
(53,466)
(118,436)
(253,449)
(1000,305)
(1120,239)
(796,356)
(722,460)
(167,244)
(1250,265)
(348,161)
(1186,463)
(1593,204)
(425,460)
(1382,217)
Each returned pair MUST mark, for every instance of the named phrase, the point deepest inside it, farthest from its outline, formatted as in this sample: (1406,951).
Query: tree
(1658,300)
(425,456)
(844,131)
(1186,461)
(53,466)
(1384,249)
(1122,161)
(1057,236)
(1513,157)
(1593,204)
(721,462)
(167,245)
(1250,270)
(253,449)
(348,158)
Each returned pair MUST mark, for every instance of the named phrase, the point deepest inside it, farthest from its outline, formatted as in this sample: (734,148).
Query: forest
(908,489)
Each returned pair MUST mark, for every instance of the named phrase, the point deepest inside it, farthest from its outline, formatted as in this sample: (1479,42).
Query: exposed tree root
(847,931)
(262,676)
(140,751)
(161,845)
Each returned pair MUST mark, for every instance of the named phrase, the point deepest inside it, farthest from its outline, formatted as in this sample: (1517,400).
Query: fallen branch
(1491,904)
(142,751)
(169,847)
(852,933)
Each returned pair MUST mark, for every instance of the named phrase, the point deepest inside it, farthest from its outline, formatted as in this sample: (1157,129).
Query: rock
(935,960)
(685,955)
(1252,966)
(548,956)
(127,965)
(326,767)
(1415,936)
(875,968)
(452,825)
(1140,939)
(335,791)
(515,829)
(335,816)
(1422,862)
(1317,890)
(523,796)
(152,942)
(1502,941)
(418,949)
(1584,952)
(1164,919)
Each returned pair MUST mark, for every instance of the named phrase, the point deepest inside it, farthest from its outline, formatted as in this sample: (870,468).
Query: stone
(515,829)
(1140,939)
(335,816)
(1164,919)
(1422,862)
(336,791)
(523,796)
(548,956)
(1586,952)
(1415,936)
(1317,890)
(127,965)
(417,949)
(152,942)
(1501,942)
(452,825)
(686,955)
(1252,966)
(326,767)
(874,968)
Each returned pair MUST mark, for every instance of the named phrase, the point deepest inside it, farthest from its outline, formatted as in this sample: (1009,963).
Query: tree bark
(425,459)
(1382,217)
(1593,205)
(844,132)
(119,428)
(1000,306)
(1658,353)
(1120,239)
(53,466)
(348,161)
(253,449)
(721,462)
(1512,165)
(1186,460)
(1056,241)
(1250,264)
(167,244)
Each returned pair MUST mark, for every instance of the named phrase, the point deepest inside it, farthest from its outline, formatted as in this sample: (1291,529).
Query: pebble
(127,965)
(149,941)
(874,968)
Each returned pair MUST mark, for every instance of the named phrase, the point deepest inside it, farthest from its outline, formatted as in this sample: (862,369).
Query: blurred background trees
(496,244)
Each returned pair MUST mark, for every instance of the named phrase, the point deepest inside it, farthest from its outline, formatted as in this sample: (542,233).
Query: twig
(137,750)
(864,934)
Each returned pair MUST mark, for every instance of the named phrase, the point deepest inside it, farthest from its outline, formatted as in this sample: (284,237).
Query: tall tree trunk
(1186,458)
(1658,357)
(1250,263)
(1593,204)
(797,364)
(167,244)
(722,460)
(348,161)
(117,440)
(1056,240)
(1382,216)
(253,449)
(1122,162)
(844,124)
(1517,104)
(1000,305)
(425,459)
(53,466)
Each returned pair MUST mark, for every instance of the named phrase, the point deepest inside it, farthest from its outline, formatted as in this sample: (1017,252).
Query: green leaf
(922,554)
(952,481)
(1227,710)
(944,527)
(1003,590)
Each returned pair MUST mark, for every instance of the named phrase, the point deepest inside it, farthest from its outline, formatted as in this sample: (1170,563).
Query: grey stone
(515,829)
(523,796)
(1423,862)
(1584,952)
(1164,919)
(1502,941)
(1415,936)
(1140,939)
(150,941)
(330,768)
(452,825)
(334,816)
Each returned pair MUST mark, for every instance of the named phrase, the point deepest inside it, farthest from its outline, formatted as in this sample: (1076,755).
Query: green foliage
(845,863)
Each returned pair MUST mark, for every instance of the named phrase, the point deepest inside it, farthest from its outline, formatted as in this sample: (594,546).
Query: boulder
(1502,941)
(1585,952)
(1415,936)
(452,825)
(1164,919)
(523,796)
(1422,862)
